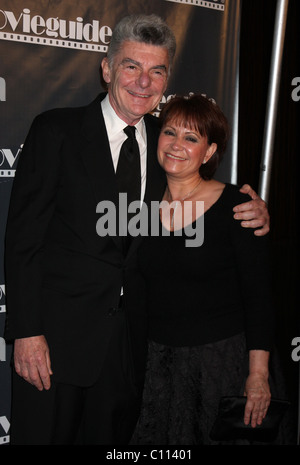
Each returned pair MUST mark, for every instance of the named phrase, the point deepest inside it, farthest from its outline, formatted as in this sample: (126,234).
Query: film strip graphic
(7,173)
(2,298)
(4,426)
(53,42)
(218,5)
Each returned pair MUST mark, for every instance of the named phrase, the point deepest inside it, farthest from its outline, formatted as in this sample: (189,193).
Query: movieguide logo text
(25,27)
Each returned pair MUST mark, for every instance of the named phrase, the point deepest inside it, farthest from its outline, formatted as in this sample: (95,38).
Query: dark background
(257,29)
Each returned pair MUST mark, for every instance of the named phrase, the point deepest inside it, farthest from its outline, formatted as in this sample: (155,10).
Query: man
(64,281)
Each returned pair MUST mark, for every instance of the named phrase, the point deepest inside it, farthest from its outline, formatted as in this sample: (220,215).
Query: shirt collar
(115,124)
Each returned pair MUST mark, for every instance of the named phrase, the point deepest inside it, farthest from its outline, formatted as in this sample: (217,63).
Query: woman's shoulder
(232,194)
(229,197)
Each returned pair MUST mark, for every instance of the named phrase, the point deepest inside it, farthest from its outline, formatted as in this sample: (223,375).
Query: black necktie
(129,170)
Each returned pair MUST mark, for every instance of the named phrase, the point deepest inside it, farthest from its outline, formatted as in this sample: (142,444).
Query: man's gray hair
(148,29)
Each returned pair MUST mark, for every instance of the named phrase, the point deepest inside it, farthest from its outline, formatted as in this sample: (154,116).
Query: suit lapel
(96,156)
(156,179)
(96,153)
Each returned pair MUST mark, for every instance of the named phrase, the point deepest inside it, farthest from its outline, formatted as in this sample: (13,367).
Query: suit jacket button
(112,311)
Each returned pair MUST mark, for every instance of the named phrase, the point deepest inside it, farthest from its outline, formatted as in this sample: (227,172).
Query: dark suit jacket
(62,279)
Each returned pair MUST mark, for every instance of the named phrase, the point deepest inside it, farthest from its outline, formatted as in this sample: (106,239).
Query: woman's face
(181,150)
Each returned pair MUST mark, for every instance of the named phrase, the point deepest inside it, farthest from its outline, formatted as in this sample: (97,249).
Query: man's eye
(158,73)
(129,67)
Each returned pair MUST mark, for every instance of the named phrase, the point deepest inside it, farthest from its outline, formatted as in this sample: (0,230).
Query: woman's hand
(258,395)
(257,388)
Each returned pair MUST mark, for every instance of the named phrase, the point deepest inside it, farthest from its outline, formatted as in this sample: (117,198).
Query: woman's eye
(168,132)
(191,139)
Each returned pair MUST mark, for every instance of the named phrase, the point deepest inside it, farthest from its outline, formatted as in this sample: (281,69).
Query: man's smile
(135,94)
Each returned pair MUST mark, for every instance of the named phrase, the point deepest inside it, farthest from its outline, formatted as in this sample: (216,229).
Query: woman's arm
(253,260)
(257,388)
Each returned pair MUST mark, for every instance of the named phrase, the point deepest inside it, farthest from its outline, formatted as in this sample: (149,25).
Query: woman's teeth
(174,157)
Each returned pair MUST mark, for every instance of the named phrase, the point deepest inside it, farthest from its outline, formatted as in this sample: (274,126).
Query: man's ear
(105,70)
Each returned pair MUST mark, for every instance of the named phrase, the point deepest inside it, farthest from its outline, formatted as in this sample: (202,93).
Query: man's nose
(144,79)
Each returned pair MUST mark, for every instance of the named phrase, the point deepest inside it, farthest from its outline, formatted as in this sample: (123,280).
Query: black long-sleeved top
(198,295)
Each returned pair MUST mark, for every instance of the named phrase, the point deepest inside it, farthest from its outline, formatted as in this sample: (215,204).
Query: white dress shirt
(116,136)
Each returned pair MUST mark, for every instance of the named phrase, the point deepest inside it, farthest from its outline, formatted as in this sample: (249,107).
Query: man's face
(137,79)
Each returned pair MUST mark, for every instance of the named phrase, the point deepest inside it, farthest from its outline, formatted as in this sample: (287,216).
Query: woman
(210,315)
